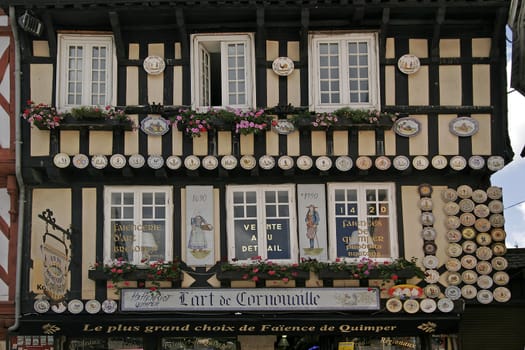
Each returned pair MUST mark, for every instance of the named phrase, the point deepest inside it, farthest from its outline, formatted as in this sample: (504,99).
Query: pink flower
(285,279)
(271,272)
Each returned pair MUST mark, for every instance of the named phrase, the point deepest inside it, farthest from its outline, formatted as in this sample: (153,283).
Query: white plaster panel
(4,291)
(4,205)
(4,251)
(4,129)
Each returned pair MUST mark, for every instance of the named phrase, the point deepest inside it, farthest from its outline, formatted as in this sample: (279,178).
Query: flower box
(243,275)
(71,123)
(137,275)
(327,273)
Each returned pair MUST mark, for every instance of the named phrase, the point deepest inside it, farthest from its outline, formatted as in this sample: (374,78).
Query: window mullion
(86,74)
(137,220)
(261,224)
(344,82)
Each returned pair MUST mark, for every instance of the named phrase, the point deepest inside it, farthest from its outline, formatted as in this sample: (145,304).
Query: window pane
(238,197)
(147,212)
(323,73)
(115,198)
(128,198)
(128,213)
(251,211)
(270,197)
(352,195)
(339,195)
(251,197)
(284,210)
(271,211)
(160,212)
(382,195)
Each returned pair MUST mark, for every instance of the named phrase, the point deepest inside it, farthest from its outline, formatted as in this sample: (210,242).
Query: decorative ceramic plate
(41,306)
(451,208)
(407,127)
(154,125)
(136,161)
(432,291)
(117,161)
(483,238)
(495,163)
(453,236)
(501,294)
(429,233)
(248,162)
(229,162)
(453,265)
(59,308)
(484,253)
(469,291)
(283,66)
(479,196)
(428,305)
(450,195)
(485,296)
(75,306)
(80,161)
(429,248)
(173,162)
(469,247)
(468,233)
(494,192)
(497,220)
(458,163)
(430,261)
(439,162)
(501,278)
(469,276)
(154,65)
(427,218)
(426,204)
(394,305)
(481,211)
(453,278)
(192,162)
(306,162)
(454,250)
(363,163)
(469,261)
(285,162)
(155,161)
(476,162)
(99,161)
(463,126)
(344,163)
(267,162)
(210,162)
(383,163)
(452,222)
(401,163)
(431,276)
(453,292)
(61,160)
(109,306)
(93,306)
(467,219)
(466,205)
(408,64)
(498,234)
(324,163)
(483,267)
(499,263)
(283,127)
(445,305)
(420,162)
(496,206)
(485,282)
(482,225)
(499,249)
(425,190)
(464,191)
(411,306)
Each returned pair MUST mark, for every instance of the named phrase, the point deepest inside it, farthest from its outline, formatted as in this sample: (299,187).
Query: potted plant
(97,118)
(42,116)
(345,118)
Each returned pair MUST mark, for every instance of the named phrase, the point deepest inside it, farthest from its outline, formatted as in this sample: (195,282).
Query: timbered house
(260,174)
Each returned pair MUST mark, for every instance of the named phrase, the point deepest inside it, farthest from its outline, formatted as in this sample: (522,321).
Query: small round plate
(420,162)
(344,163)
(75,306)
(431,276)
(324,163)
(428,305)
(229,162)
(469,261)
(453,265)
(41,306)
(93,306)
(485,296)
(426,204)
(80,161)
(453,236)
(485,282)
(482,225)
(155,161)
(469,247)
(464,191)
(429,233)
(481,211)
(450,195)
(468,233)
(451,208)
(454,250)
(407,127)
(499,263)
(285,162)
(248,162)
(467,219)
(479,196)
(494,192)
(483,267)
(453,278)
(497,220)
(452,222)
(109,306)
(484,253)
(173,162)
(401,163)
(99,161)
(483,238)
(453,292)
(408,64)
(439,162)
(136,161)
(117,161)
(210,162)
(267,162)
(466,205)
(283,66)
(425,190)
(61,160)
(476,162)
(394,305)
(363,163)
(305,162)
(445,305)
(495,163)
(154,65)
(469,291)
(469,276)
(501,294)
(411,306)
(383,163)
(430,261)
(501,278)
(429,248)
(463,126)
(59,308)
(458,163)
(192,162)
(496,206)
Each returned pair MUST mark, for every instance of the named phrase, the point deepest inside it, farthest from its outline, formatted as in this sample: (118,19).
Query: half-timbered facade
(260,174)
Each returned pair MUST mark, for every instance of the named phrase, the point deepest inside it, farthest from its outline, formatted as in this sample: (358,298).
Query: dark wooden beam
(385,18)
(260,57)
(440,18)
(303,53)
(359,11)
(498,34)
(117,33)
(185,52)
(51,34)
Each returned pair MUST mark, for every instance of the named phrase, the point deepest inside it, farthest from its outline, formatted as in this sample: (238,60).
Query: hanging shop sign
(268,299)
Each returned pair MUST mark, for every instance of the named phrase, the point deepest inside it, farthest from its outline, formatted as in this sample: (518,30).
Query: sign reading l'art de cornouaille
(279,299)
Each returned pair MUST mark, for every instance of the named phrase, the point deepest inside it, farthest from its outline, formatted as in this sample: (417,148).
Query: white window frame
(197,73)
(137,217)
(362,217)
(87,41)
(342,39)
(261,220)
